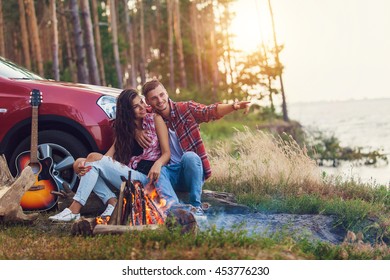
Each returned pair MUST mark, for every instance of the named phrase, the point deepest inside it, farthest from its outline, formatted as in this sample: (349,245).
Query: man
(189,166)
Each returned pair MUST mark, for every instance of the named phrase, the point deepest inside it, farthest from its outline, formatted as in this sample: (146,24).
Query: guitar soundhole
(36,167)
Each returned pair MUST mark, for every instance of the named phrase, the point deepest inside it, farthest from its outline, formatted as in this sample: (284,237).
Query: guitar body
(39,196)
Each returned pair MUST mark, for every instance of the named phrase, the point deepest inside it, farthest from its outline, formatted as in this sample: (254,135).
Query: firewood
(11,192)
(119,229)
(183,218)
(83,226)
(119,206)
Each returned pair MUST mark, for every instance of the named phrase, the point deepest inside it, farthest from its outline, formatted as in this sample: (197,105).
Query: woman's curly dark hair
(124,126)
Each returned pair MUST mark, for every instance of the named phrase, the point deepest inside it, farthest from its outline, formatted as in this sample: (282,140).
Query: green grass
(55,242)
(21,242)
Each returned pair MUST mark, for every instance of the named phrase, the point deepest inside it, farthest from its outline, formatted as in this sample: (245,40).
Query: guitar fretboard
(34,135)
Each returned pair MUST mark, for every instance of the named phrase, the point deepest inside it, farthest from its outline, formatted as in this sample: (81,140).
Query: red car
(73,119)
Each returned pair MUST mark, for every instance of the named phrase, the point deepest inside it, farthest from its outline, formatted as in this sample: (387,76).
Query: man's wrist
(234,106)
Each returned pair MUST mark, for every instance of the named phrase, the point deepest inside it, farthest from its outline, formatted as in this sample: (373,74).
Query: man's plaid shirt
(185,120)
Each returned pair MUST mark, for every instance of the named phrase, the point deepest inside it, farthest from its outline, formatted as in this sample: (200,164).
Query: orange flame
(146,207)
(102,221)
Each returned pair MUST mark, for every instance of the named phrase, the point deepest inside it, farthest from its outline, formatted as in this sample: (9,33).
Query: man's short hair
(150,85)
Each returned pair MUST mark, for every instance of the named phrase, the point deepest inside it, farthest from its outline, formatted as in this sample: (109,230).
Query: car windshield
(10,70)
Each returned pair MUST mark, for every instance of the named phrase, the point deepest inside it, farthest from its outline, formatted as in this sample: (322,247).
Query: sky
(333,49)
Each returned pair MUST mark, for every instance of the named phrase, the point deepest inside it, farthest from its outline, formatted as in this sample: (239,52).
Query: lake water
(356,123)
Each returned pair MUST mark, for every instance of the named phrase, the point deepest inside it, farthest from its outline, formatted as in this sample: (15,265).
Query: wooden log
(183,218)
(11,192)
(83,226)
(120,229)
(223,202)
(5,174)
(119,206)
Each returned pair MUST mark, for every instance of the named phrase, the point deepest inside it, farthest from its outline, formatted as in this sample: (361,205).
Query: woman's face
(139,107)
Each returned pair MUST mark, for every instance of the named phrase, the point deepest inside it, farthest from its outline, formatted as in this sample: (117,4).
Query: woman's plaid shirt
(153,152)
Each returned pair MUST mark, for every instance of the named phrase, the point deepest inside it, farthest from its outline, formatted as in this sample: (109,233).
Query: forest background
(121,43)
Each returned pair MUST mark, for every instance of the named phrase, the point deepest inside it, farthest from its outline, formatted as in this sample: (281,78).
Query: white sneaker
(65,216)
(108,212)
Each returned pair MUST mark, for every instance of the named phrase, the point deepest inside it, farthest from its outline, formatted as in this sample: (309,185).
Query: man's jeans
(186,176)
(109,170)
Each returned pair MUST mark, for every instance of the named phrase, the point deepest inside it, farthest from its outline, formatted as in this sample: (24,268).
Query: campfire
(138,208)
(137,205)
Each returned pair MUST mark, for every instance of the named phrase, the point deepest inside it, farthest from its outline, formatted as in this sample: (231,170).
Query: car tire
(62,147)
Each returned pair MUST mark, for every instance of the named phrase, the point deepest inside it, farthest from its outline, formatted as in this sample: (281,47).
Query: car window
(13,71)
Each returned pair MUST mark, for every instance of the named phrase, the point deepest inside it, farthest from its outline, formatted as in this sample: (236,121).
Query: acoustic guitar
(38,197)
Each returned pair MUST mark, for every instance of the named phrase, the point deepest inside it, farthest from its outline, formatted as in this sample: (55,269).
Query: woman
(124,155)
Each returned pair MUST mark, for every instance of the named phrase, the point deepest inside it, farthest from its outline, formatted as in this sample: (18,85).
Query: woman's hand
(81,169)
(154,172)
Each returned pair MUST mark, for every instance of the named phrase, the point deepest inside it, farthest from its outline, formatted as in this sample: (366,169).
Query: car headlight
(108,105)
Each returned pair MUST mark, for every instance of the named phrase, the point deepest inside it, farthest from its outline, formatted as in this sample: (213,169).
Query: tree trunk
(170,45)
(24,35)
(2,43)
(68,44)
(278,65)
(98,44)
(114,31)
(130,38)
(34,34)
(90,44)
(45,30)
(179,43)
(56,68)
(214,56)
(82,73)
(195,31)
(142,39)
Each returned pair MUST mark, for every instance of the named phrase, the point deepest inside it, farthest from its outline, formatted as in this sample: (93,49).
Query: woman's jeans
(109,170)
(186,176)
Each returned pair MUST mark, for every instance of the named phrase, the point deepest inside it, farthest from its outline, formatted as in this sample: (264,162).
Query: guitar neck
(34,136)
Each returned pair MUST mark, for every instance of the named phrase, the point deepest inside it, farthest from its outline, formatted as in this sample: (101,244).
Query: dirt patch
(311,227)
(226,213)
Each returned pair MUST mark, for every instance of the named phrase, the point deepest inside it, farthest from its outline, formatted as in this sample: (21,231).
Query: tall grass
(260,163)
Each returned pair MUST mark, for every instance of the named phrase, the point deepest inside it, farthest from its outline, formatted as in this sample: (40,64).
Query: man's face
(158,99)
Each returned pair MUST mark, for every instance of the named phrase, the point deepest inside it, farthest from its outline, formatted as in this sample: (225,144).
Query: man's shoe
(65,216)
(108,212)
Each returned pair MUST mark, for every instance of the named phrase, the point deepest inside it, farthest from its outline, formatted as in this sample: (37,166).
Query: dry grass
(258,162)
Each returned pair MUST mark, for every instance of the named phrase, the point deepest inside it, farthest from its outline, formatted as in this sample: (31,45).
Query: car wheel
(62,148)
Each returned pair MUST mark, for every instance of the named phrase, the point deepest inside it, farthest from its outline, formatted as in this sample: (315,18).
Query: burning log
(138,207)
(11,191)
